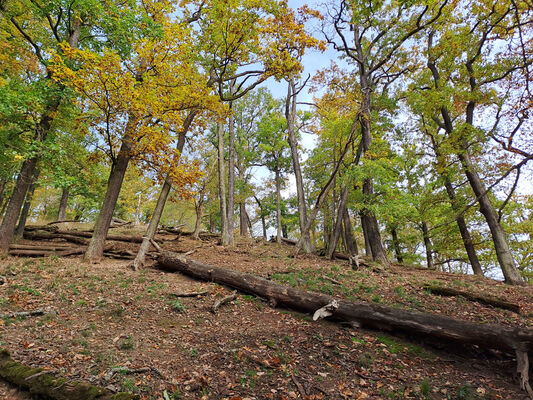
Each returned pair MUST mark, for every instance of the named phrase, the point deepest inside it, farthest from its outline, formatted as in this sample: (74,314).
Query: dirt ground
(105,316)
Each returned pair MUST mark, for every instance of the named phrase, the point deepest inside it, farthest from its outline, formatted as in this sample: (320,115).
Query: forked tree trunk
(26,208)
(62,213)
(263,222)
(350,244)
(95,250)
(428,245)
(278,206)
(396,244)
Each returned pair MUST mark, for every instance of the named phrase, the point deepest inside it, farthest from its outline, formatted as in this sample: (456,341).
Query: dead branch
(223,301)
(192,294)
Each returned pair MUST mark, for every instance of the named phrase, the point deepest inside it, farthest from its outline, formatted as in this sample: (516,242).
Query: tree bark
(396,244)
(231,174)
(26,208)
(338,223)
(368,248)
(290,115)
(278,206)
(199,214)
(222,186)
(243,219)
(62,213)
(350,244)
(263,222)
(427,245)
(95,249)
(369,315)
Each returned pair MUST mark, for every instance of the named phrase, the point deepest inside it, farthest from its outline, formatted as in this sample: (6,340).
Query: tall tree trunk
(231,174)
(290,115)
(463,230)
(26,208)
(338,223)
(501,246)
(61,214)
(461,223)
(368,248)
(137,220)
(243,220)
(428,245)
(222,186)
(7,229)
(278,206)
(24,180)
(199,213)
(162,199)
(95,250)
(263,222)
(3,184)
(350,244)
(396,244)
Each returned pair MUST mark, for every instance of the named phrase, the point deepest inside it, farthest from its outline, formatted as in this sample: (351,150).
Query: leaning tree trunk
(501,246)
(463,230)
(62,213)
(427,245)
(7,229)
(290,115)
(278,206)
(461,223)
(95,250)
(368,248)
(162,199)
(26,208)
(24,180)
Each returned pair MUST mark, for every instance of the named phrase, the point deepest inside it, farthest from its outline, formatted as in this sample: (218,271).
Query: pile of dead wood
(50,240)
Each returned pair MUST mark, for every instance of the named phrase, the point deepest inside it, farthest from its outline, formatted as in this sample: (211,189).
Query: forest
(380,149)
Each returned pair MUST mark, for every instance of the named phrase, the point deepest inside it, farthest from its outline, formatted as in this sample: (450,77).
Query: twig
(124,370)
(327,278)
(157,247)
(192,294)
(299,386)
(223,301)
(40,374)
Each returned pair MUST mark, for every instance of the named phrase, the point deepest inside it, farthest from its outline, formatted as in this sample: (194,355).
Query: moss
(48,386)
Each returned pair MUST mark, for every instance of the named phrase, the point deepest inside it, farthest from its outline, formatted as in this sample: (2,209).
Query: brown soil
(106,315)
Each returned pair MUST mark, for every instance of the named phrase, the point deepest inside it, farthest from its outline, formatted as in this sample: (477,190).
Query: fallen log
(25,313)
(478,298)
(45,384)
(494,336)
(46,235)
